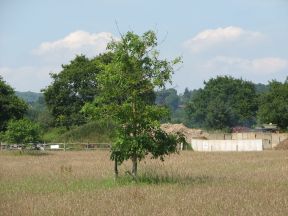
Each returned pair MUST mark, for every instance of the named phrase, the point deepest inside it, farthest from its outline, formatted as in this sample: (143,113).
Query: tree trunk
(134,166)
(116,168)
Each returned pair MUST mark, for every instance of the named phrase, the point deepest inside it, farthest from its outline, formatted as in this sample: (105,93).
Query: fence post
(64,147)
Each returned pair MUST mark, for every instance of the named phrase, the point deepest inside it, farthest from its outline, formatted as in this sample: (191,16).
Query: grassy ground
(81,183)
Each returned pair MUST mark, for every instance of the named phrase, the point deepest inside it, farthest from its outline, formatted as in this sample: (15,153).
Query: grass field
(81,183)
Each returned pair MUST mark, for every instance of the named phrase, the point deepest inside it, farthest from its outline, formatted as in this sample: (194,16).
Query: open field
(81,183)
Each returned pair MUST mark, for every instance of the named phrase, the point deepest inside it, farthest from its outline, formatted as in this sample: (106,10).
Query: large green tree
(273,107)
(11,107)
(71,88)
(126,95)
(224,102)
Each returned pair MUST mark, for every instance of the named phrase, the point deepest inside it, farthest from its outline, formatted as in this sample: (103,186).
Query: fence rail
(59,146)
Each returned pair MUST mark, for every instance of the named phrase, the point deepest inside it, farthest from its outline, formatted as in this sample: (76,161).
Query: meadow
(189,183)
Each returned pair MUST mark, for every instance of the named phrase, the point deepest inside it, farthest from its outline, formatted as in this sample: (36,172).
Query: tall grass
(82,183)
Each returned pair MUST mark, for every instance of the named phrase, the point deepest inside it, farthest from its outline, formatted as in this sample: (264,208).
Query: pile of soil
(282,145)
(189,133)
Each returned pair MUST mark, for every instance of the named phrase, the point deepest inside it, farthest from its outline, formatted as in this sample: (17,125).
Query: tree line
(224,102)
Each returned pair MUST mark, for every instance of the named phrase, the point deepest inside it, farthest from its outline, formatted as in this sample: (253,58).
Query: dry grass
(81,183)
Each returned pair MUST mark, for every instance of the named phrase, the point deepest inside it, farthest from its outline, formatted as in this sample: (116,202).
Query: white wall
(227,145)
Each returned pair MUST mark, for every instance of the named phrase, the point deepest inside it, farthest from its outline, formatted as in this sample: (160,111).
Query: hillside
(29,96)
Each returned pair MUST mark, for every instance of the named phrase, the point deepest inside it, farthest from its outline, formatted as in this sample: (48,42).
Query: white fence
(227,145)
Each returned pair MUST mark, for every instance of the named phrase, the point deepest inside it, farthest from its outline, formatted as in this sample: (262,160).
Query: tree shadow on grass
(158,179)
(170,179)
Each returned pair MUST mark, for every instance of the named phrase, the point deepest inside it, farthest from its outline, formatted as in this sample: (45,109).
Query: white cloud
(214,37)
(51,55)
(78,42)
(258,66)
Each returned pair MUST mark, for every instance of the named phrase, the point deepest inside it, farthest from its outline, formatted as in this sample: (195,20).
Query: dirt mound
(189,133)
(282,145)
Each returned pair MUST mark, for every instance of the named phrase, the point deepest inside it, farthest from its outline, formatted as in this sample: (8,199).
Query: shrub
(22,131)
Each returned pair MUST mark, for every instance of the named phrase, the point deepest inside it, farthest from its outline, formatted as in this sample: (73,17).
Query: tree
(186,96)
(74,86)
(261,88)
(224,102)
(168,97)
(126,95)
(11,107)
(38,112)
(273,107)
(22,131)
(175,103)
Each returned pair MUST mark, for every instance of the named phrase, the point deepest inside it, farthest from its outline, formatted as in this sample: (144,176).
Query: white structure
(54,147)
(227,145)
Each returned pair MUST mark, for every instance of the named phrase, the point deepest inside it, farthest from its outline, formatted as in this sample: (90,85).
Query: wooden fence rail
(59,146)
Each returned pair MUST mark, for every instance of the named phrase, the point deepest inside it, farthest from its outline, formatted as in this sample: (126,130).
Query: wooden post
(64,146)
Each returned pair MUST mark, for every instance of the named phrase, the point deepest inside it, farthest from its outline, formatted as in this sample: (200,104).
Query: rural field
(189,183)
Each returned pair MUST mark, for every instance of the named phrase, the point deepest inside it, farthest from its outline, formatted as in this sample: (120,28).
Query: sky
(245,39)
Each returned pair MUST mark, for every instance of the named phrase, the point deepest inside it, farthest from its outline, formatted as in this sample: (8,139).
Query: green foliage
(11,107)
(223,103)
(74,86)
(37,109)
(38,112)
(126,95)
(22,131)
(169,98)
(175,103)
(273,106)
(261,88)
(53,134)
(186,95)
(93,132)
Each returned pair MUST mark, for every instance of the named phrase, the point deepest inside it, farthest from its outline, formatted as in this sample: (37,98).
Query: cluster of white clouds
(208,41)
(54,54)
(228,39)
(78,42)
(212,38)
(257,66)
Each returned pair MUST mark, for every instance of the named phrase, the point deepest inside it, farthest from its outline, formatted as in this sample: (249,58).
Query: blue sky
(246,38)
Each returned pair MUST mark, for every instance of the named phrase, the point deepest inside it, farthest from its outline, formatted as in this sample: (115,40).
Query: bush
(22,131)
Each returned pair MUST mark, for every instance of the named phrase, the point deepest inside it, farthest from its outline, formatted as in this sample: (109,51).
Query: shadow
(157,179)
(167,179)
